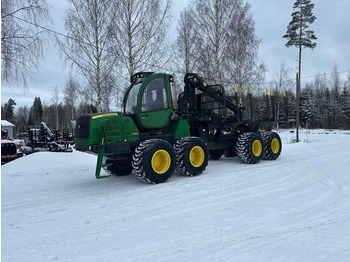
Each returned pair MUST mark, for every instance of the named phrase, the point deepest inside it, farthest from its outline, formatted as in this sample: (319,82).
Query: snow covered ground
(296,208)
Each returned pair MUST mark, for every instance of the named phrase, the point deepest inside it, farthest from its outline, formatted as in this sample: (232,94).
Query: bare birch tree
(242,50)
(139,33)
(282,82)
(22,115)
(110,93)
(89,49)
(71,96)
(22,42)
(56,101)
(282,79)
(227,46)
(335,84)
(213,19)
(187,42)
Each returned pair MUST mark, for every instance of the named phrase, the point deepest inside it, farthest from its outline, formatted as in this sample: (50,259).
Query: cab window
(173,95)
(154,97)
(131,101)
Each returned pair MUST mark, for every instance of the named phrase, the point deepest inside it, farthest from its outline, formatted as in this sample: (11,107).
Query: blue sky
(271,18)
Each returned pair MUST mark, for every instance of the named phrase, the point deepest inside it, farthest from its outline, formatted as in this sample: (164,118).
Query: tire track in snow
(229,210)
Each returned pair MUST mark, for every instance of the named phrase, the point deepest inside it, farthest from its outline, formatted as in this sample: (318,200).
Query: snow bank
(296,208)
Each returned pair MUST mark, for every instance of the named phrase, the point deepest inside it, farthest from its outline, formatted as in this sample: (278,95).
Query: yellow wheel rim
(257,148)
(275,145)
(196,156)
(161,161)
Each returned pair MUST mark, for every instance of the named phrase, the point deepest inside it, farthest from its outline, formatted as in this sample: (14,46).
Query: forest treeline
(107,41)
(325,103)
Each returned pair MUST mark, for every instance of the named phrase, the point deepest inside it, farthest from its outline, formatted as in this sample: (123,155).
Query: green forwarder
(158,132)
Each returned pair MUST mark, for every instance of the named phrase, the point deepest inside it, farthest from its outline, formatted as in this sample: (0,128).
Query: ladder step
(98,171)
(101,154)
(98,176)
(108,154)
(103,165)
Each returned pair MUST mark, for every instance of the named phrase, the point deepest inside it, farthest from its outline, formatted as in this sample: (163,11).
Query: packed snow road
(296,208)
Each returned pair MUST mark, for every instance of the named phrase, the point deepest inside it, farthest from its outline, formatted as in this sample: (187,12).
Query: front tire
(249,148)
(154,161)
(192,156)
(118,167)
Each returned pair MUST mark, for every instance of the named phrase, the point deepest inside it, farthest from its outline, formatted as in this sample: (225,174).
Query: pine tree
(298,36)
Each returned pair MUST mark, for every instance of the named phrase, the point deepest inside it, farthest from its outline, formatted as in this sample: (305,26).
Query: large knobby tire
(249,148)
(118,167)
(216,154)
(154,161)
(191,156)
(273,145)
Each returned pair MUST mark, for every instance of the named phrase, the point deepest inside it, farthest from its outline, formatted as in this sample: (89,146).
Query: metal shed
(8,127)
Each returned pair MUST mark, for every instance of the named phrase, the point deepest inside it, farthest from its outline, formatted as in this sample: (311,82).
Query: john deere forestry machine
(159,133)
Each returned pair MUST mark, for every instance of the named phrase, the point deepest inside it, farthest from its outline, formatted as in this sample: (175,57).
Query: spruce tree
(36,113)
(2,112)
(260,109)
(298,36)
(30,122)
(328,109)
(345,108)
(306,108)
(9,110)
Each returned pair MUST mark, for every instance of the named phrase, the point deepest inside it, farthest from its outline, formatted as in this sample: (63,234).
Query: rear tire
(118,167)
(273,145)
(191,156)
(154,161)
(249,148)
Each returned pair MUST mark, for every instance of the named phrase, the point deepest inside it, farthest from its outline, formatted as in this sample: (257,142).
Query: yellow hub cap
(161,161)
(275,145)
(196,156)
(257,148)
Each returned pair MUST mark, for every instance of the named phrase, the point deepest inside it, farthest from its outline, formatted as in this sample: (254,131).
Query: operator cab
(150,100)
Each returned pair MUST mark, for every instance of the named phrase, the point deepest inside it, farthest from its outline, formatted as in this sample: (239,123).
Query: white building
(8,127)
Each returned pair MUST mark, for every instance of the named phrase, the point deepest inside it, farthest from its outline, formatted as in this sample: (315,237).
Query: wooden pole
(285,108)
(250,102)
(267,105)
(237,102)
(273,105)
(298,107)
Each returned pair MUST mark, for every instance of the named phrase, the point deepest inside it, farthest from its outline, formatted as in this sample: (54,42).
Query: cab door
(154,107)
